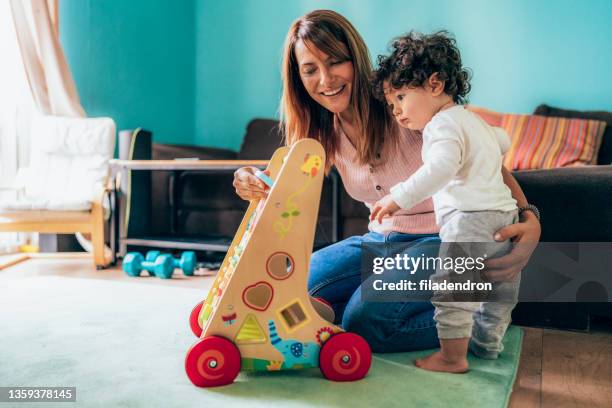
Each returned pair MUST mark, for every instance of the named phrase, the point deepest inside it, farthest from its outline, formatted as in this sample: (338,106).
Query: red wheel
(212,361)
(193,320)
(345,357)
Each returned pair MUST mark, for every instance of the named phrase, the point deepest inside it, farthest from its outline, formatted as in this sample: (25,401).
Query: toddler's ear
(436,86)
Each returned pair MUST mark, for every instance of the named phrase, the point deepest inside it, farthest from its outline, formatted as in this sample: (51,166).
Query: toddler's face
(413,108)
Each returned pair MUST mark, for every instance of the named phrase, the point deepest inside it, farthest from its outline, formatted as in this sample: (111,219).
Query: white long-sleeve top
(462,160)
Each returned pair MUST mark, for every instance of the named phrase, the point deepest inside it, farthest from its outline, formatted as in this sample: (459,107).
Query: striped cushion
(540,142)
(491,117)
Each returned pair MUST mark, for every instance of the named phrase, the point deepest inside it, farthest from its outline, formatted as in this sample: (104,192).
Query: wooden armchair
(63,189)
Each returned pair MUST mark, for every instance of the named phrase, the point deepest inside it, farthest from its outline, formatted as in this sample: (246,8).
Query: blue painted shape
(265,178)
(294,351)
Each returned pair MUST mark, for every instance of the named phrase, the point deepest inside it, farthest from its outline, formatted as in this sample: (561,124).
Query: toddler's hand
(383,207)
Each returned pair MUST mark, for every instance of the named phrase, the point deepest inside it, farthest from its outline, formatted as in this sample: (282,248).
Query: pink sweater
(369,183)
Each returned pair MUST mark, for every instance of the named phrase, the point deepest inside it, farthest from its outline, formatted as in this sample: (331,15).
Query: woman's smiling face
(328,80)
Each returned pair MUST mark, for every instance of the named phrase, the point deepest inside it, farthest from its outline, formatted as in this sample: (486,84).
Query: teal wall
(134,62)
(199,70)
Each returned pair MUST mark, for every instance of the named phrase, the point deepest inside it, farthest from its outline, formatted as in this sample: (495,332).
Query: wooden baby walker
(258,314)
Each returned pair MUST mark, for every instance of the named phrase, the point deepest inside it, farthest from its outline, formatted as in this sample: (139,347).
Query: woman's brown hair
(303,117)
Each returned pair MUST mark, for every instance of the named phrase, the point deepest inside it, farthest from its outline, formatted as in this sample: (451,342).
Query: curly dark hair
(415,57)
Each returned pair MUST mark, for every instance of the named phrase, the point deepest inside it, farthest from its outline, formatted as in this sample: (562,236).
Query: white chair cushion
(68,163)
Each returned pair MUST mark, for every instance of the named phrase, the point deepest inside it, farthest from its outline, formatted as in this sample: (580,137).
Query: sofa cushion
(605,151)
(540,142)
(491,117)
(574,202)
(263,137)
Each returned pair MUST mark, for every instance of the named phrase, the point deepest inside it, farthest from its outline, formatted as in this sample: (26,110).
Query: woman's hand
(248,186)
(526,233)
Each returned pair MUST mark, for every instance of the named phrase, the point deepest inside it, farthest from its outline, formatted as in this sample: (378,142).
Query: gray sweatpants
(484,322)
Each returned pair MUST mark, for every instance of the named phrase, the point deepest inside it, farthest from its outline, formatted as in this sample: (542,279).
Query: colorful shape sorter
(258,314)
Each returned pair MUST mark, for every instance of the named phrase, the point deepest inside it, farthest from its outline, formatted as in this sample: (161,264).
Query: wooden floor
(564,369)
(557,368)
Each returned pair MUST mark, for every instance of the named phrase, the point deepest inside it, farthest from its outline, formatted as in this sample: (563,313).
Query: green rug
(122,344)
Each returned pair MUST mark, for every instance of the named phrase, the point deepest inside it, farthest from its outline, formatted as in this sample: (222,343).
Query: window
(16,105)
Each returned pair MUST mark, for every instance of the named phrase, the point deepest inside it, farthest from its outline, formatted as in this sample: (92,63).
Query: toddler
(425,85)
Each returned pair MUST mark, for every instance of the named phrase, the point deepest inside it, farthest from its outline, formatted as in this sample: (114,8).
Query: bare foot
(437,362)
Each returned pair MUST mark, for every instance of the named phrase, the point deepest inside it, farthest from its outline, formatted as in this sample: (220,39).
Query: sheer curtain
(49,77)
(35,79)
(16,106)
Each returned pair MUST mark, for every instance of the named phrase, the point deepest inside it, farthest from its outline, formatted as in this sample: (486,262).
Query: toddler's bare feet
(452,357)
(437,362)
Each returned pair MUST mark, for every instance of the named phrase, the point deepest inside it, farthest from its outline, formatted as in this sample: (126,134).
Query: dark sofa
(575,205)
(200,203)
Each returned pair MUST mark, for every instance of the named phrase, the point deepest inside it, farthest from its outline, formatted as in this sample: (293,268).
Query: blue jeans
(335,276)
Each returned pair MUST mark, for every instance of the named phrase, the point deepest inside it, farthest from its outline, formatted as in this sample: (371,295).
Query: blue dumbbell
(151,256)
(187,261)
(162,267)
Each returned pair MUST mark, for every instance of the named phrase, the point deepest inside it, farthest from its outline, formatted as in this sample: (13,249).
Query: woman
(327,96)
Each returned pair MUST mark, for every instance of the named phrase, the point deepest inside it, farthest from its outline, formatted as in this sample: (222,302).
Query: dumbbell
(151,256)
(162,267)
(187,262)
